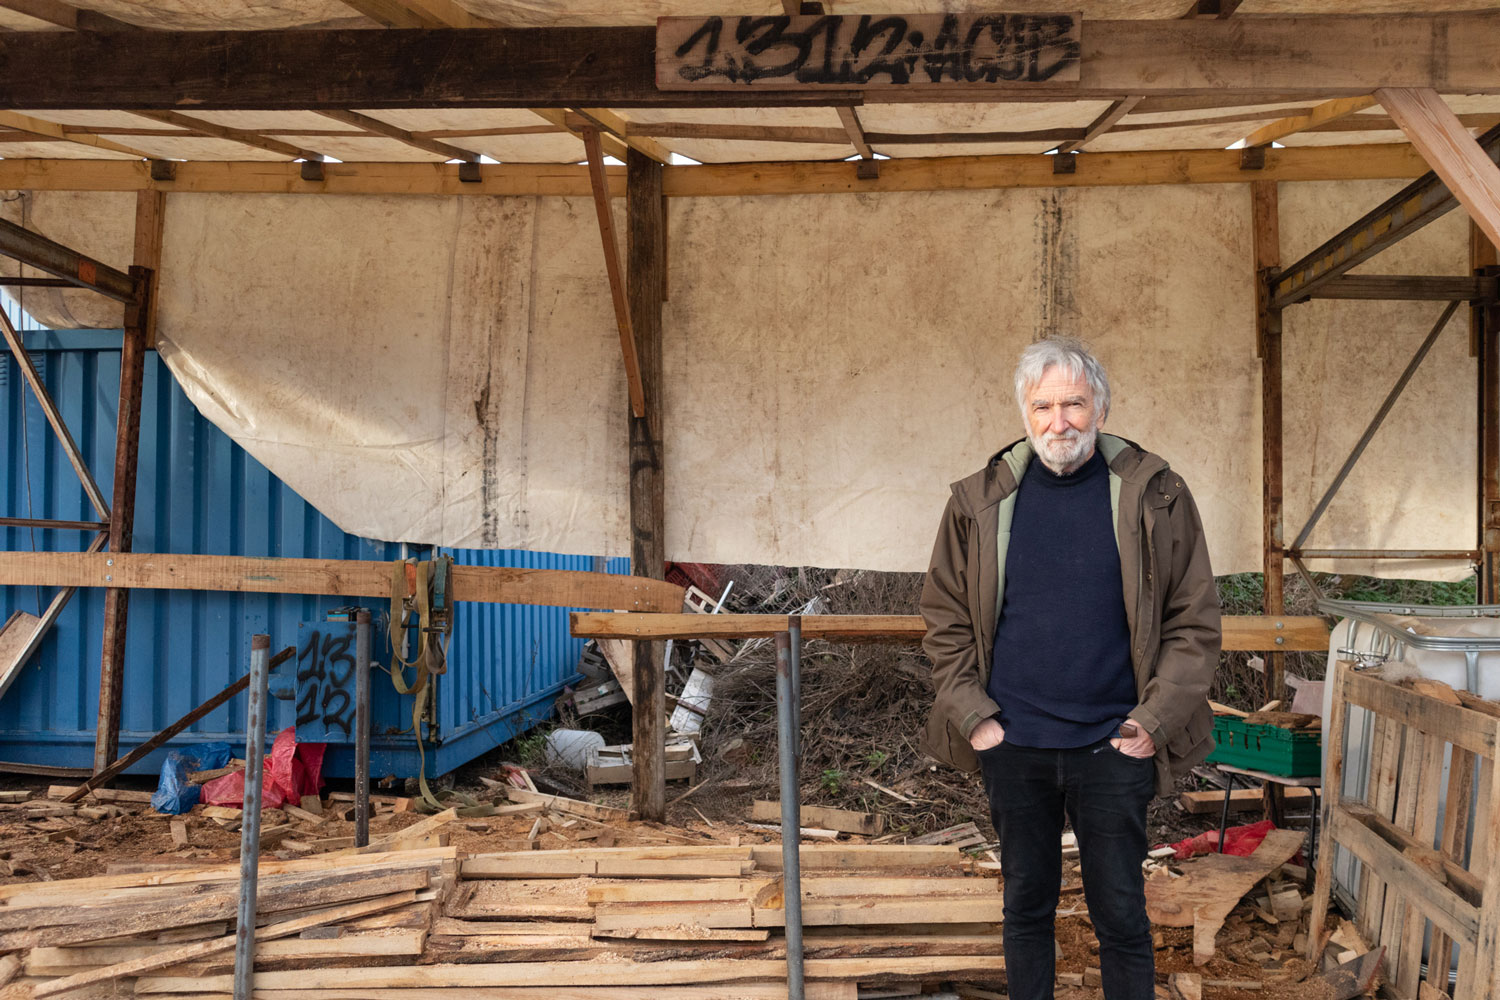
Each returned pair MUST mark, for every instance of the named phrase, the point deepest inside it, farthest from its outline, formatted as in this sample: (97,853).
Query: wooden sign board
(859,51)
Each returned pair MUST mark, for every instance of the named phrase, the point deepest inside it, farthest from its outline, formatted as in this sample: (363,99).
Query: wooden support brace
(600,185)
(1468,171)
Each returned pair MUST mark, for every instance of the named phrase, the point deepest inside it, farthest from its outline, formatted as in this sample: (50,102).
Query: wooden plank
(753,990)
(1241,800)
(1333,773)
(854,857)
(245,137)
(587,974)
(15,636)
(200,949)
(560,803)
(1429,786)
(1106,121)
(52,130)
(1385,761)
(1354,828)
(66,15)
(599,184)
(855,132)
(1241,632)
(1457,802)
(949,173)
(150,216)
(1326,112)
(843,820)
(1469,173)
(418,14)
(1317,57)
(818,887)
(337,577)
(646,222)
(1462,727)
(1478,965)
(819,52)
(390,131)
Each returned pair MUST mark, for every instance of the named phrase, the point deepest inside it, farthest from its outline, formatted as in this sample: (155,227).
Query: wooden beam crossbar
(1241,632)
(402,135)
(600,185)
(1399,216)
(1468,170)
(1317,57)
(333,577)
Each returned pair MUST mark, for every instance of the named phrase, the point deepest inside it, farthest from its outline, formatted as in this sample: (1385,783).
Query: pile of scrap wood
(673,919)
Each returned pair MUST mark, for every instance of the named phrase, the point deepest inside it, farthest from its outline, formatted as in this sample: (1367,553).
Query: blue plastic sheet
(174,793)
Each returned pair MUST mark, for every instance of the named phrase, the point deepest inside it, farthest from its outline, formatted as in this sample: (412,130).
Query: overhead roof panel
(362,148)
(58,151)
(193,147)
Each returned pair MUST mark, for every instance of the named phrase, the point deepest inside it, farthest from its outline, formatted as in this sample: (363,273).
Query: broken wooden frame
(117,520)
(1321,274)
(1414,870)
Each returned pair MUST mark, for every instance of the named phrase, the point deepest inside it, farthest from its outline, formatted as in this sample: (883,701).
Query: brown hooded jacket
(1171,603)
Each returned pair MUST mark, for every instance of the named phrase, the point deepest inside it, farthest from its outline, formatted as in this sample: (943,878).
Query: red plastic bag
(1238,840)
(292,770)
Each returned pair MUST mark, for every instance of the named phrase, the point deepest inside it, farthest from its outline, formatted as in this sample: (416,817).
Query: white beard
(1066,452)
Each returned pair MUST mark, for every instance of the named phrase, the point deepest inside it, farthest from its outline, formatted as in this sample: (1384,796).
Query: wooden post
(122,519)
(1485,345)
(1267,242)
(646,235)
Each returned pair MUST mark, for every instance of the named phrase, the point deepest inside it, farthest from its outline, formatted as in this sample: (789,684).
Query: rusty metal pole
(1485,346)
(122,518)
(788,656)
(1267,249)
(362,728)
(255,748)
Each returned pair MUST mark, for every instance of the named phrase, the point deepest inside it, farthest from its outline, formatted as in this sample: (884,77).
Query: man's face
(1060,420)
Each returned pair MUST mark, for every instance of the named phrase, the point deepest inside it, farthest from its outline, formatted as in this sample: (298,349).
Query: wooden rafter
(239,135)
(612,145)
(418,14)
(1466,169)
(619,128)
(1309,57)
(1324,113)
(856,133)
(379,127)
(65,15)
(1102,124)
(52,131)
(599,185)
(1375,161)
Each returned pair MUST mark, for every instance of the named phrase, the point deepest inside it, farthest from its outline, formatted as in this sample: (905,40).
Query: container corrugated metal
(199,492)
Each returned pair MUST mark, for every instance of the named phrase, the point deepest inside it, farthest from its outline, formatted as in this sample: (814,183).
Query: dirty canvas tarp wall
(447,370)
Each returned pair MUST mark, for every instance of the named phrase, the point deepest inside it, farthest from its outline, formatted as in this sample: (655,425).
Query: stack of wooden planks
(671,923)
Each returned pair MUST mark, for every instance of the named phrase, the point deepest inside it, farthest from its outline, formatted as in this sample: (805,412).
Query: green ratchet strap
(412,588)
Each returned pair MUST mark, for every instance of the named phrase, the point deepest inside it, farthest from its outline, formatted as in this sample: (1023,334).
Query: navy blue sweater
(1061,672)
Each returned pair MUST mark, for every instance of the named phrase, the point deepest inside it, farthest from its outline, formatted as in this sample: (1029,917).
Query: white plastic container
(571,747)
(1459,646)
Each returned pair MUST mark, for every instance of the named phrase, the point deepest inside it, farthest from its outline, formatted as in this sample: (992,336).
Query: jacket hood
(1002,473)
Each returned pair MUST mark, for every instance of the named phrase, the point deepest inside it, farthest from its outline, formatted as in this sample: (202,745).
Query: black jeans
(1104,794)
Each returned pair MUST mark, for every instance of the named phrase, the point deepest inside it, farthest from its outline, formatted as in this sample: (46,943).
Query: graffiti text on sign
(325,682)
(866,50)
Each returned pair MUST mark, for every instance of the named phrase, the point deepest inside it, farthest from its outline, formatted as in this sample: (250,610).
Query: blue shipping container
(199,492)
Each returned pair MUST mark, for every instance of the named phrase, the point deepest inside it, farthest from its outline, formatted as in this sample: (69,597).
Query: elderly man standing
(1073,626)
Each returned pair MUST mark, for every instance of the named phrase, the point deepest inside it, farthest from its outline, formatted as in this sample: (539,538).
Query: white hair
(1071,356)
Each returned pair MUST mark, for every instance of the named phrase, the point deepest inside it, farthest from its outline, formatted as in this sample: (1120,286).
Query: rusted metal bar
(1411,208)
(1375,422)
(789,758)
(42,522)
(1409,287)
(53,415)
(362,728)
(255,773)
(1485,331)
(36,283)
(122,523)
(43,254)
(1470,554)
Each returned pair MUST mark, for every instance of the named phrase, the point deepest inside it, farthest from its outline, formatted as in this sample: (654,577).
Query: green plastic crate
(1267,748)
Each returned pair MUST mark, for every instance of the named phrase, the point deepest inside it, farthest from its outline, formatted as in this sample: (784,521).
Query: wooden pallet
(615,765)
(1411,878)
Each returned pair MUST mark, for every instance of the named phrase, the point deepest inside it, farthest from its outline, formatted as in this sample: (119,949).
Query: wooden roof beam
(856,133)
(609,122)
(51,130)
(1244,61)
(419,14)
(65,15)
(599,185)
(379,127)
(1102,124)
(1324,113)
(239,135)
(1468,170)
